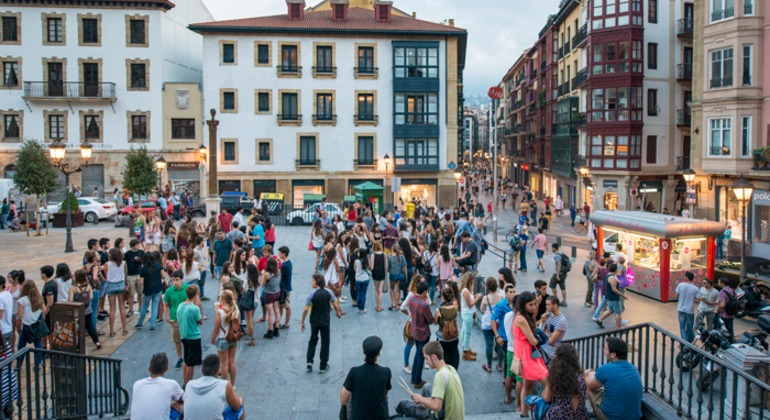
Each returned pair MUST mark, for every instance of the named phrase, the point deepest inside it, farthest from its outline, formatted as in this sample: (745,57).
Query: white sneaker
(407,370)
(595,319)
(623,322)
(343,299)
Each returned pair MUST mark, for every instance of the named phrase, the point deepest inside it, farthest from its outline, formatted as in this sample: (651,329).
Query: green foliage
(140,175)
(74,205)
(35,175)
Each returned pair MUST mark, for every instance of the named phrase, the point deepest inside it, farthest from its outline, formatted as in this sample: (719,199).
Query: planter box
(60,219)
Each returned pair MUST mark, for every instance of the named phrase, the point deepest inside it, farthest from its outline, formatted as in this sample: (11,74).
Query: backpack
(732,306)
(515,243)
(234,334)
(449,330)
(566,263)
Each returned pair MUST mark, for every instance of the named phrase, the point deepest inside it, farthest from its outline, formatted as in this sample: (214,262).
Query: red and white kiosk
(659,248)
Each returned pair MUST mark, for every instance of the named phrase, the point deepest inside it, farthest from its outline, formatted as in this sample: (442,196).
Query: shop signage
(395,184)
(524,167)
(610,183)
(274,202)
(690,195)
(686,258)
(461,181)
(761,196)
(630,276)
(183,165)
(622,149)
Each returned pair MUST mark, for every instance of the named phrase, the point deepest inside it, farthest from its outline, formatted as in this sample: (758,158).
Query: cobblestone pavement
(271,376)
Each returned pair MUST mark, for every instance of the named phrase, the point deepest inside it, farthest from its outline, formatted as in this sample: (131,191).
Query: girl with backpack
(448,333)
(468,307)
(226,317)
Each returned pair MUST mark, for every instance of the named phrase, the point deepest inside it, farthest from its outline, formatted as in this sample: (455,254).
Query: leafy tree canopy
(140,175)
(34,172)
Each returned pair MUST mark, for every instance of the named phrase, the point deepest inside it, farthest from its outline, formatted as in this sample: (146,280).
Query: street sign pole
(495,93)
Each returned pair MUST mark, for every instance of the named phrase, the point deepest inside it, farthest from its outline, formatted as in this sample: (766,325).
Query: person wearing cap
(365,391)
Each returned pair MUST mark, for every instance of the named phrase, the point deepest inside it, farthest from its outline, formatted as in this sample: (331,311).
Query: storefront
(263,186)
(353,182)
(650,196)
(610,194)
(305,186)
(659,248)
(185,175)
(760,223)
(229,185)
(730,212)
(421,190)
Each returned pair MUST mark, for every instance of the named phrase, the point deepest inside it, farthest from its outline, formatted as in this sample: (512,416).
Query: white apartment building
(319,100)
(95,71)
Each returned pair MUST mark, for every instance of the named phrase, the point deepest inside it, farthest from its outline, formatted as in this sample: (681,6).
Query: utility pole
(493,145)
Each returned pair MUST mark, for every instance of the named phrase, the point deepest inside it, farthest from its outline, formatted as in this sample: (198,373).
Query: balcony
(534,73)
(365,119)
(325,119)
(542,131)
(684,28)
(684,71)
(542,67)
(580,78)
(289,71)
(415,163)
(578,41)
(532,108)
(290,119)
(325,71)
(682,163)
(518,104)
(579,120)
(722,14)
(307,163)
(683,118)
(104,91)
(366,71)
(721,82)
(367,163)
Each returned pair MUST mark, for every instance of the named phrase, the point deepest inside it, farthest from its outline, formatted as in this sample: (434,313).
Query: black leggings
(90,329)
(451,352)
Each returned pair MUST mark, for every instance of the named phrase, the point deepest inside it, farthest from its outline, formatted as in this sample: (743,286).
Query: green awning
(368,186)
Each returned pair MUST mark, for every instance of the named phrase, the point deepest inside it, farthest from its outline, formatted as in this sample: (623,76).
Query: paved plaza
(271,376)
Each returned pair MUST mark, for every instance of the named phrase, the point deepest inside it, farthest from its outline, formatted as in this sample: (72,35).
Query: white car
(94,209)
(306,216)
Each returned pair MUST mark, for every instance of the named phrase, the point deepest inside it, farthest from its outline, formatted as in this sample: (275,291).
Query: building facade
(77,71)
(731,115)
(312,101)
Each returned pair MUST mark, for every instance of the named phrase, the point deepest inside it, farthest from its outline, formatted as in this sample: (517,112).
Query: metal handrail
(55,384)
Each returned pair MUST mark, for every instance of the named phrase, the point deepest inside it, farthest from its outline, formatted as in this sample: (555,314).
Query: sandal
(112,334)
(486,368)
(499,368)
(125,333)
(508,401)
(252,342)
(378,309)
(98,346)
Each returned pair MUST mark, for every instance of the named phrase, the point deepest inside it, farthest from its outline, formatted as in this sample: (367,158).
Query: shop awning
(368,186)
(659,225)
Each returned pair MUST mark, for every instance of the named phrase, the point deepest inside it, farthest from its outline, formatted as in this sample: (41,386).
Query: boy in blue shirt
(615,389)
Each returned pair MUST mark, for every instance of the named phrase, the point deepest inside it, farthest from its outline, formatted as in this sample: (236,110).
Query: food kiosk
(659,248)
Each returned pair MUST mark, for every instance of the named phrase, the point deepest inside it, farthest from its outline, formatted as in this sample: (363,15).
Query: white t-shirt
(617,256)
(508,323)
(464,308)
(687,293)
(152,398)
(63,293)
(28,317)
(194,274)
(6,304)
(115,273)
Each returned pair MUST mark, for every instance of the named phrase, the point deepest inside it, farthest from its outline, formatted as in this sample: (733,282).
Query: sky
(498,30)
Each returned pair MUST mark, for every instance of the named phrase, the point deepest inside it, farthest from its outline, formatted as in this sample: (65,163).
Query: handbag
(36,331)
(516,366)
(407,335)
(310,246)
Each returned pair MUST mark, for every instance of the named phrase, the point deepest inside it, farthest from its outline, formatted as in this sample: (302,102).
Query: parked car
(146,206)
(229,201)
(306,216)
(94,209)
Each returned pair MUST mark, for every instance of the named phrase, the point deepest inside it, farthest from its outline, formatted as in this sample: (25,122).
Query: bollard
(574,252)
(558,241)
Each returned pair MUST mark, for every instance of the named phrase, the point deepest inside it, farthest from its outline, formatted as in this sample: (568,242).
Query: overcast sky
(498,30)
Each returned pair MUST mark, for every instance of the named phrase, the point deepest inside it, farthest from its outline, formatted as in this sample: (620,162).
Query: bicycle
(510,233)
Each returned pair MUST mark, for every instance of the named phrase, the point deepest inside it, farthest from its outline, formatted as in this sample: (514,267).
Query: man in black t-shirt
(319,304)
(469,252)
(133,258)
(365,391)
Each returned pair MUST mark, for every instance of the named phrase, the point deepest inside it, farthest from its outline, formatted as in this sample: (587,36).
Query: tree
(140,175)
(34,173)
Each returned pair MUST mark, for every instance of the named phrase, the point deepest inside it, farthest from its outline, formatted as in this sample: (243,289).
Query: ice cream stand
(659,248)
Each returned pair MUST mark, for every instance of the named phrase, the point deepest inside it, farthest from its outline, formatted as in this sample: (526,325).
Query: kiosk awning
(659,225)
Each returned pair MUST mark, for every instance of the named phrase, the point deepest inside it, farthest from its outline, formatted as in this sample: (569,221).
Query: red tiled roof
(166,4)
(359,19)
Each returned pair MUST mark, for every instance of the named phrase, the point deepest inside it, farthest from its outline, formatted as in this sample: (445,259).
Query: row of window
(89,30)
(725,9)
(307,147)
(722,65)
(54,70)
(92,126)
(720,137)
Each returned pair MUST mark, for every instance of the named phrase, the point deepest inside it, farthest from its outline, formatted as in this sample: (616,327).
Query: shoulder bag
(36,331)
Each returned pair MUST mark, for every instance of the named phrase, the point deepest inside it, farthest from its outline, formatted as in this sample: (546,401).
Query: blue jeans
(419,361)
(95,306)
(361,287)
(154,300)
(720,250)
(523,259)
(685,326)
(407,351)
(218,271)
(202,281)
(601,307)
(489,344)
(176,211)
(23,343)
(432,284)
(466,332)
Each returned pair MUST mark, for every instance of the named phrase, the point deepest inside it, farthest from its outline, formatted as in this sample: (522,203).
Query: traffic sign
(495,92)
(461,180)
(634,192)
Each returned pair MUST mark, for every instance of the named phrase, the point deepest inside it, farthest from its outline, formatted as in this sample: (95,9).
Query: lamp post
(58,150)
(161,165)
(202,152)
(387,163)
(689,179)
(585,174)
(743,190)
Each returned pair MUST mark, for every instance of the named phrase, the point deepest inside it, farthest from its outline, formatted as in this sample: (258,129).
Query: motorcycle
(687,359)
(751,300)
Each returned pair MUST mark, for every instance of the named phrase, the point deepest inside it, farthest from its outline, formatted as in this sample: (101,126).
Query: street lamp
(58,150)
(689,179)
(202,151)
(161,165)
(689,175)
(743,190)
(387,163)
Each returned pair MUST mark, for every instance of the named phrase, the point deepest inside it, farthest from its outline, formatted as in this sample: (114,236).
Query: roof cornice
(102,4)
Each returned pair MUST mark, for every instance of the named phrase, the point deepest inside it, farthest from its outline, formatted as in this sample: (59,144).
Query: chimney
(414,15)
(382,10)
(340,10)
(296,9)
(452,23)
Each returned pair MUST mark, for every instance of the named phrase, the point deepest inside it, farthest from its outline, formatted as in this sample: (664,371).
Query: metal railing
(580,36)
(365,118)
(307,162)
(69,90)
(684,71)
(289,117)
(324,70)
(684,27)
(55,385)
(324,117)
(683,117)
(580,77)
(366,71)
(732,393)
(722,14)
(289,70)
(721,82)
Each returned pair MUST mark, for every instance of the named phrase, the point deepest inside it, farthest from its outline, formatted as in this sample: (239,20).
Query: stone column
(212,200)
